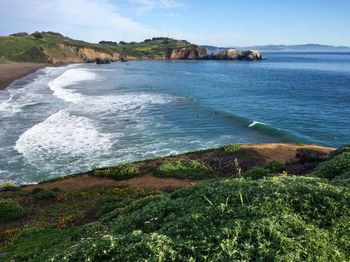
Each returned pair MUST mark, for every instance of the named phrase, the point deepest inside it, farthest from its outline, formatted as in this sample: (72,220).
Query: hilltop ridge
(55,48)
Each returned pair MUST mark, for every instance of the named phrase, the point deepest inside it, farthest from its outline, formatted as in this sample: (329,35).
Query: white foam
(255,123)
(17,99)
(61,137)
(70,78)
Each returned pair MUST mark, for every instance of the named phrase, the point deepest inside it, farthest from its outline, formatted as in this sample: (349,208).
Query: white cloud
(146,5)
(84,19)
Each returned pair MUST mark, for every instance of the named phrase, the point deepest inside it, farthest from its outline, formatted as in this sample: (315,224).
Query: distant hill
(303,47)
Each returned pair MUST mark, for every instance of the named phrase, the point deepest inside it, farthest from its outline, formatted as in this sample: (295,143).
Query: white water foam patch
(62,138)
(127,103)
(28,94)
(256,123)
(69,78)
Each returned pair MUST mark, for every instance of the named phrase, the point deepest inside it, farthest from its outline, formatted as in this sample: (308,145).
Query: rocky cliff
(77,54)
(198,53)
(193,53)
(233,54)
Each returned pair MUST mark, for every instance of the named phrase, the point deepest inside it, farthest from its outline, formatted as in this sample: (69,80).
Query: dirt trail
(82,182)
(284,152)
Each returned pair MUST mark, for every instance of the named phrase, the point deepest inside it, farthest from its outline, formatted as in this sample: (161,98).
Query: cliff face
(69,54)
(195,53)
(233,54)
(198,53)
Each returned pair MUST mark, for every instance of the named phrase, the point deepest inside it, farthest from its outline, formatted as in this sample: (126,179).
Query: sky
(212,22)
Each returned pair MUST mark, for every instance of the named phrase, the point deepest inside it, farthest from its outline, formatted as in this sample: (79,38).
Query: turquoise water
(74,118)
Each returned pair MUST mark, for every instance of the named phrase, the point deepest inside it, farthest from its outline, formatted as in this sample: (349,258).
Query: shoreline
(14,71)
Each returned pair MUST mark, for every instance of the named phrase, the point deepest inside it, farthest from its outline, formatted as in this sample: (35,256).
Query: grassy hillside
(40,46)
(37,47)
(151,48)
(259,214)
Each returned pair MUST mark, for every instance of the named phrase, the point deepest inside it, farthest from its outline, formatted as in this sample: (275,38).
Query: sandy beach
(11,72)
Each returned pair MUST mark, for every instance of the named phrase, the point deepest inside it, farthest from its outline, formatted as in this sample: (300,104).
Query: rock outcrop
(233,54)
(198,53)
(75,54)
(186,53)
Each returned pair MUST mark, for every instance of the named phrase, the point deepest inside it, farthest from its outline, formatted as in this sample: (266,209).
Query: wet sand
(11,72)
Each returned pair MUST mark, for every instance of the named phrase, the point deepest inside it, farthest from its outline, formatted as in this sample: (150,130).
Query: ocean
(63,120)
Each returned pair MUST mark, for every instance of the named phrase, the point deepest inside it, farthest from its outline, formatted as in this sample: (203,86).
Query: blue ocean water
(78,117)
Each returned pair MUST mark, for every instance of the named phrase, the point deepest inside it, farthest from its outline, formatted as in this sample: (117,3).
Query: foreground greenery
(273,217)
(183,169)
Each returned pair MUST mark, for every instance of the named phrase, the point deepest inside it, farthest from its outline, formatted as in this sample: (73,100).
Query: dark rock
(100,61)
(123,59)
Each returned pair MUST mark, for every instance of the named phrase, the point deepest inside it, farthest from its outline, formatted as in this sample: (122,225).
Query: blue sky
(221,22)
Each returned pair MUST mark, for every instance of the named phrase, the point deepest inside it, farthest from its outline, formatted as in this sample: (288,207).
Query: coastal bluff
(55,48)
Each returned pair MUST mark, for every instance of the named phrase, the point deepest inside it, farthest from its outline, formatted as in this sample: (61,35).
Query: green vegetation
(335,167)
(10,210)
(340,150)
(6,185)
(276,166)
(257,172)
(121,171)
(281,219)
(233,148)
(40,46)
(36,244)
(45,194)
(277,218)
(37,190)
(183,169)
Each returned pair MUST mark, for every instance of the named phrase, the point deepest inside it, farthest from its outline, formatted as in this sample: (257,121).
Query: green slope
(273,218)
(39,46)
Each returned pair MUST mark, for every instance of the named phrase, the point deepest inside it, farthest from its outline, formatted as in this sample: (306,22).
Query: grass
(335,167)
(280,219)
(38,47)
(10,210)
(183,169)
(122,171)
(232,148)
(257,172)
(275,166)
(44,194)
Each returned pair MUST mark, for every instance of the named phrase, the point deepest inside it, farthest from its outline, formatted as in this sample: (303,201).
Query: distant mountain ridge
(301,47)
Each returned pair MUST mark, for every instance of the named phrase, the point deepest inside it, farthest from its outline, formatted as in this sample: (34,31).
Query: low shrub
(257,172)
(344,177)
(277,219)
(38,35)
(45,194)
(276,166)
(183,169)
(340,150)
(10,210)
(37,190)
(335,167)
(232,148)
(56,190)
(122,171)
(7,186)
